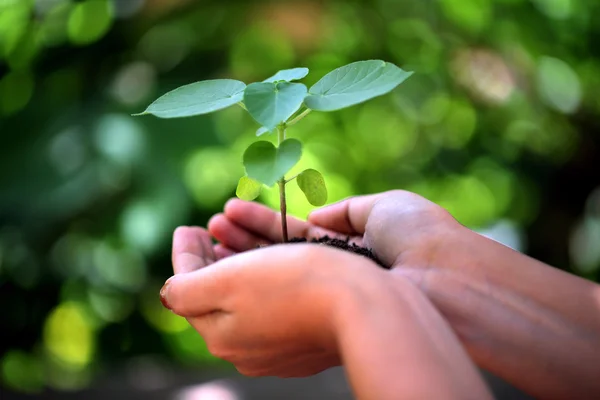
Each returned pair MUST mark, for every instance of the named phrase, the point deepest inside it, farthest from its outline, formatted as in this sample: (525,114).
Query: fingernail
(163,294)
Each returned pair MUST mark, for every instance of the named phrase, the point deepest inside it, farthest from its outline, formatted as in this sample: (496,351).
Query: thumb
(348,216)
(196,293)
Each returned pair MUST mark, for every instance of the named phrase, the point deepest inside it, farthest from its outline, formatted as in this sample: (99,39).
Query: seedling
(276,104)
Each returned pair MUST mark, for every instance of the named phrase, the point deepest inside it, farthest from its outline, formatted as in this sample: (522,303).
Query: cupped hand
(269,311)
(401,228)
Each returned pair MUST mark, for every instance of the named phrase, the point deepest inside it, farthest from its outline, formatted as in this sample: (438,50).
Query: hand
(509,310)
(269,311)
(293,311)
(402,228)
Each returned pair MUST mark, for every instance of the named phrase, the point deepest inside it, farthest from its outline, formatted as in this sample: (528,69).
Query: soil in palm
(343,245)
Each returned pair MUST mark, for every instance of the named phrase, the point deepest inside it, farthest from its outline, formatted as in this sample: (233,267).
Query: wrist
(375,295)
(387,330)
(452,272)
(451,249)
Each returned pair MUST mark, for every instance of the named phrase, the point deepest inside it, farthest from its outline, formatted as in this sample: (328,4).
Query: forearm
(396,346)
(533,325)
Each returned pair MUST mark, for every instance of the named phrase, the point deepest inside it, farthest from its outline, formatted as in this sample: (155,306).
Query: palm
(245,226)
(193,249)
(398,226)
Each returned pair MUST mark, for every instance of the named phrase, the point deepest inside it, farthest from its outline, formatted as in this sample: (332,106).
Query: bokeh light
(69,337)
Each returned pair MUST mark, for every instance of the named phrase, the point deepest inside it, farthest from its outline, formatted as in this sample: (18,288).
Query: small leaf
(267,164)
(288,75)
(262,130)
(197,98)
(248,189)
(353,84)
(311,182)
(273,103)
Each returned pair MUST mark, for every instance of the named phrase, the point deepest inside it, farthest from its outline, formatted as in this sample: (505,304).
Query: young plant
(276,104)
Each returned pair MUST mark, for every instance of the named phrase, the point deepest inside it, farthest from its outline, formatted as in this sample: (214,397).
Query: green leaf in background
(311,182)
(89,21)
(354,84)
(197,98)
(267,164)
(248,189)
(262,130)
(558,85)
(273,103)
(288,75)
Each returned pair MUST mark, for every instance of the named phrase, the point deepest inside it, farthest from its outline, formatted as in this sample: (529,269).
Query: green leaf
(267,164)
(311,182)
(353,84)
(88,21)
(273,103)
(288,75)
(248,189)
(262,130)
(197,98)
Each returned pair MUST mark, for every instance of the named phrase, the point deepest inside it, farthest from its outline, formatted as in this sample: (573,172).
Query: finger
(263,221)
(310,368)
(348,216)
(232,236)
(185,240)
(207,246)
(222,251)
(214,288)
(266,223)
(195,294)
(188,262)
(190,252)
(283,366)
(206,325)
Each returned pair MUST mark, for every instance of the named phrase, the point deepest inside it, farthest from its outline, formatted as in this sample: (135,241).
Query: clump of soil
(343,245)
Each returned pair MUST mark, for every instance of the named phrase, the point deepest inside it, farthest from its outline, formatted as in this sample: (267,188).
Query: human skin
(533,325)
(294,312)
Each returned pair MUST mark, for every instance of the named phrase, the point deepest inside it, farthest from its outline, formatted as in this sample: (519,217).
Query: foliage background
(499,124)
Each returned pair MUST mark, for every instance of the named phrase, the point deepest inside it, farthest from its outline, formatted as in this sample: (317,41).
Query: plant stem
(292,178)
(282,182)
(283,208)
(299,117)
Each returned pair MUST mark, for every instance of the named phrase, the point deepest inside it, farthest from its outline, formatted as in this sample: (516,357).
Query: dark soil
(343,245)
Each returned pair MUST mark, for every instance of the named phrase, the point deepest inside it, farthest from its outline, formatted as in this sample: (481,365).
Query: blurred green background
(500,125)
